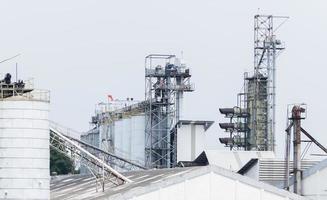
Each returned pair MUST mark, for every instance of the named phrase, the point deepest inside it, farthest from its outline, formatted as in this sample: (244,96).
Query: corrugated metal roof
(82,187)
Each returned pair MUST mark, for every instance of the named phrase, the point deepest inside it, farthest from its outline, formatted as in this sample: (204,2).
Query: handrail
(114,172)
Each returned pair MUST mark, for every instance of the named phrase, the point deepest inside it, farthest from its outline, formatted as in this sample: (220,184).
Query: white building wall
(184,143)
(253,172)
(190,142)
(24,152)
(199,141)
(315,185)
(211,186)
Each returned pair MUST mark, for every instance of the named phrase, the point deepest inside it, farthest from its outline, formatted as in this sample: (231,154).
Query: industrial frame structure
(254,127)
(295,116)
(266,50)
(166,79)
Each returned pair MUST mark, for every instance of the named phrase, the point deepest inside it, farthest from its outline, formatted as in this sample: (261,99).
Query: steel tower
(252,121)
(166,79)
(266,50)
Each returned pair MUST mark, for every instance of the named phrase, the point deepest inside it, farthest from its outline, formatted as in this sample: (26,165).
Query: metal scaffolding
(166,79)
(259,97)
(236,127)
(266,50)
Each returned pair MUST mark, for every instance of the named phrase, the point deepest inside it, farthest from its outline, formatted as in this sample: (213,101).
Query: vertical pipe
(287,157)
(179,98)
(268,120)
(167,127)
(103,179)
(273,98)
(150,116)
(296,115)
(16,72)
(273,93)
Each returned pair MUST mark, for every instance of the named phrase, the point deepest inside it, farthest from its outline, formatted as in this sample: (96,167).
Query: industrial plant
(252,121)
(146,149)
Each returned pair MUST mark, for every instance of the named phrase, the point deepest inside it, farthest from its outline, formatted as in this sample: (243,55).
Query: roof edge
(248,166)
(196,172)
(207,124)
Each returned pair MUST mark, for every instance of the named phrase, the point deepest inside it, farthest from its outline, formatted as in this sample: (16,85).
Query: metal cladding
(128,138)
(24,141)
(257,103)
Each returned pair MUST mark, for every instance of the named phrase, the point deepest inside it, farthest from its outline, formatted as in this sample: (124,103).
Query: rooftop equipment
(24,130)
(9,88)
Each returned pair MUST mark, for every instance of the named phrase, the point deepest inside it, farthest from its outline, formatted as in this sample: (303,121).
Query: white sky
(84,50)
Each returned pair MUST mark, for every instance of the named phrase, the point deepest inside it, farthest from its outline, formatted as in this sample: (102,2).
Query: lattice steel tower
(252,121)
(261,87)
(166,79)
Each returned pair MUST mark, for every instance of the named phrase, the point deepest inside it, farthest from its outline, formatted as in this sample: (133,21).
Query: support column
(296,116)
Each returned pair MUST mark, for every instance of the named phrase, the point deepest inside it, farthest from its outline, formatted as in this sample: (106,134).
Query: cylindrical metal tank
(118,138)
(24,148)
(138,139)
(126,137)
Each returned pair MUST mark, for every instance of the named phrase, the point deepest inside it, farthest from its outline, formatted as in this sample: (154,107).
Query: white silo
(118,138)
(138,139)
(24,145)
(126,137)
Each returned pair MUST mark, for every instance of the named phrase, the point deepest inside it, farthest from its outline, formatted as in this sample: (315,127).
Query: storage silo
(138,139)
(24,144)
(118,138)
(126,138)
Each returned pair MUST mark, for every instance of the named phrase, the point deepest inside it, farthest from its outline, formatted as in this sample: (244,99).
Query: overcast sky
(84,50)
